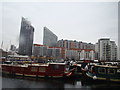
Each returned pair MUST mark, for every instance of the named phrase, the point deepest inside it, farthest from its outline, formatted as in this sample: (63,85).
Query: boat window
(67,68)
(34,69)
(111,71)
(56,67)
(118,70)
(42,69)
(101,70)
(22,69)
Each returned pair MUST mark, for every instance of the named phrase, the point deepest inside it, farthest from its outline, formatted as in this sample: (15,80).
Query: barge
(104,72)
(54,70)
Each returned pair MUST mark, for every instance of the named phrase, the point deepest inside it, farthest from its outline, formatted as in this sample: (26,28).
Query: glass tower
(49,39)
(26,38)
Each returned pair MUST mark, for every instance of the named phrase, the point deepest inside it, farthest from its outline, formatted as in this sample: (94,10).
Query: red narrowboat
(55,70)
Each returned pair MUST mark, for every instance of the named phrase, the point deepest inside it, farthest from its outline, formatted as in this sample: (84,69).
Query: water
(74,83)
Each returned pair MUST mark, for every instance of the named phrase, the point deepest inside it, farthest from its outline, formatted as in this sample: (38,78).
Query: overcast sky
(82,21)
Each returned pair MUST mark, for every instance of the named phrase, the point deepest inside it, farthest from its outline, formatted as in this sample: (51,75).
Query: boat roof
(58,63)
(79,65)
(26,65)
(39,64)
(18,56)
(107,66)
(36,64)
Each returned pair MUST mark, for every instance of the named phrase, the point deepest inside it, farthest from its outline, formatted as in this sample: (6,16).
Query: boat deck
(107,66)
(25,65)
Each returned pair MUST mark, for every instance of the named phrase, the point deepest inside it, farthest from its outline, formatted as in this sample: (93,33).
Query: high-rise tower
(26,38)
(107,50)
(49,39)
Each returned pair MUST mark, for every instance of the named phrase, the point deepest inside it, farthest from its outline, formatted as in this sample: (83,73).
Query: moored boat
(54,70)
(104,72)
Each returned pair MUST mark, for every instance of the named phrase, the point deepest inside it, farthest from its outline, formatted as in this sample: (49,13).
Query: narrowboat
(54,70)
(104,72)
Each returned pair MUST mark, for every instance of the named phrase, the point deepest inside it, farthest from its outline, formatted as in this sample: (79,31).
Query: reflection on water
(78,82)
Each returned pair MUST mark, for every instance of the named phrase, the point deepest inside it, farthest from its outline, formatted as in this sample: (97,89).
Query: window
(42,69)
(101,70)
(34,69)
(111,71)
(22,69)
(67,67)
(56,67)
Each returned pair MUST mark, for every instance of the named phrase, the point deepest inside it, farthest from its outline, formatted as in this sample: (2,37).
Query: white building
(92,55)
(119,53)
(96,51)
(87,54)
(84,54)
(113,50)
(107,50)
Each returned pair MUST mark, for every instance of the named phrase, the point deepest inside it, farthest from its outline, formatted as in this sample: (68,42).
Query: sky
(81,21)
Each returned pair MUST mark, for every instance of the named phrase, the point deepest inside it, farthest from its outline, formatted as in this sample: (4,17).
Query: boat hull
(49,71)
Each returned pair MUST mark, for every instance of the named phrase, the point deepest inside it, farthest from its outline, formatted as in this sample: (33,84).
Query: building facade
(96,51)
(86,54)
(107,50)
(39,50)
(58,53)
(50,52)
(12,48)
(80,54)
(49,39)
(54,52)
(77,50)
(113,50)
(26,38)
(68,44)
(72,54)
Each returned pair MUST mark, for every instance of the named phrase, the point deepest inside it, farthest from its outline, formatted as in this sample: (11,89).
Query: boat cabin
(105,72)
(38,70)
